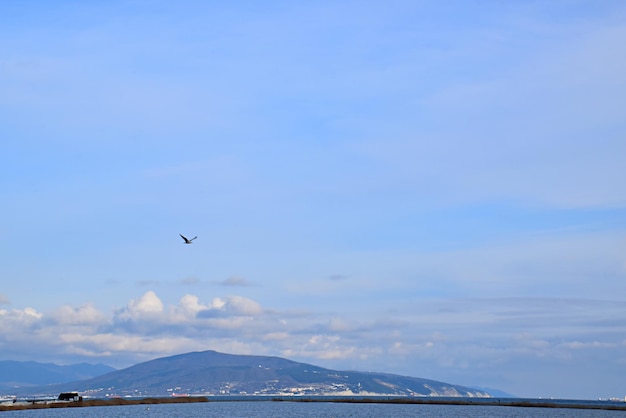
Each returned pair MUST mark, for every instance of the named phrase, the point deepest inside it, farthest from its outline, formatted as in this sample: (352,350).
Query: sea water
(249,409)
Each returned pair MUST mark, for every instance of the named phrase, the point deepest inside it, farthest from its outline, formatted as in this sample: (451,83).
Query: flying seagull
(187,241)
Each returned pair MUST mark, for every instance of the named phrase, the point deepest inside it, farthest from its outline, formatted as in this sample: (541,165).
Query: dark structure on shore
(70,396)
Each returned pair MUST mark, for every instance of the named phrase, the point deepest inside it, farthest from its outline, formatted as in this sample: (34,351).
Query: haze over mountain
(20,374)
(213,373)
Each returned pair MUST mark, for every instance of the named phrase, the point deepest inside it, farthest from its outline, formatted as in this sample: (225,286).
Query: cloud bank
(444,339)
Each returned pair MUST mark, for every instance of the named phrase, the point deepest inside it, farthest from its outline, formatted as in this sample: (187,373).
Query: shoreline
(24,405)
(513,402)
(526,403)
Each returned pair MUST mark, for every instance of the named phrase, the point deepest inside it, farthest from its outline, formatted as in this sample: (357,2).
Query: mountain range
(212,373)
(19,374)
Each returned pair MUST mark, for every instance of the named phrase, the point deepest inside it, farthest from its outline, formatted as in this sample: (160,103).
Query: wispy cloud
(338,277)
(147,283)
(190,281)
(418,189)
(235,281)
(474,335)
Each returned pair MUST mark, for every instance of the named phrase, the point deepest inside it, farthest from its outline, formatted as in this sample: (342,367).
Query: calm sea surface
(306,409)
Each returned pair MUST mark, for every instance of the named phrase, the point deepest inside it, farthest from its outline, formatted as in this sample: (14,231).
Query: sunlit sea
(308,409)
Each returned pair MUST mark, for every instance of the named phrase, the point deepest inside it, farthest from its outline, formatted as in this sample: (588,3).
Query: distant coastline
(531,403)
(26,404)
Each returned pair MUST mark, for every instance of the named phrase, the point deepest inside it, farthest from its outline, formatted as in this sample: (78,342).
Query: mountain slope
(213,373)
(30,373)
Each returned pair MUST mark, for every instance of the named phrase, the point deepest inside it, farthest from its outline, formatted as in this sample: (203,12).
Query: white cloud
(231,306)
(568,263)
(578,345)
(82,315)
(190,303)
(15,320)
(110,344)
(149,302)
(447,339)
(338,324)
(148,305)
(331,347)
(243,306)
(282,336)
(217,303)
(517,108)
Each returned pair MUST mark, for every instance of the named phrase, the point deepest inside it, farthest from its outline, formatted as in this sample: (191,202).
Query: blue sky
(426,188)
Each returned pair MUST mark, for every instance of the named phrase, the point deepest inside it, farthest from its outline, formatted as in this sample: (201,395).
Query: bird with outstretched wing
(187,240)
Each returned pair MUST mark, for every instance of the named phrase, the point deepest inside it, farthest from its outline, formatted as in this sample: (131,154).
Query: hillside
(213,373)
(19,374)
